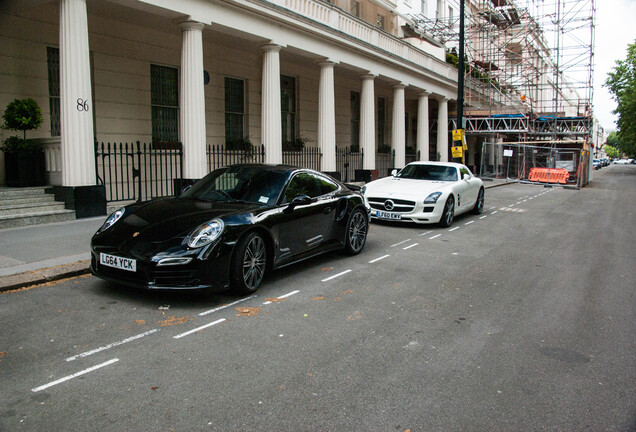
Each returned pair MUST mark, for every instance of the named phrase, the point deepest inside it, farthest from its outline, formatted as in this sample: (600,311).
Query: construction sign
(458,134)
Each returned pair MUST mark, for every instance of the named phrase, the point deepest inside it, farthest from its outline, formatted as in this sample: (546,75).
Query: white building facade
(203,72)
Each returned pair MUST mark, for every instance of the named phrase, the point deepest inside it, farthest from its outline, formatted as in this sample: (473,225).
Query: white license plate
(128,264)
(388,215)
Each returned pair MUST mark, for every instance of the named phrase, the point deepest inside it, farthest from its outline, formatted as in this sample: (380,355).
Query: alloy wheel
(254,262)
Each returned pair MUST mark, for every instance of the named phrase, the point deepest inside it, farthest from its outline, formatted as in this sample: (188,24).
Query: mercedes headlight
(110,220)
(432,198)
(206,233)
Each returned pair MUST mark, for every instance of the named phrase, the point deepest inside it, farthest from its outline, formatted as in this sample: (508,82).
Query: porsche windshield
(254,184)
(428,172)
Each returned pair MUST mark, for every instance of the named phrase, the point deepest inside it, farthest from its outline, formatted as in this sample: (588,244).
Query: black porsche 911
(229,229)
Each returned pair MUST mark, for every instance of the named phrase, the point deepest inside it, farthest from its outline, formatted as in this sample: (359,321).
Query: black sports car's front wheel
(356,235)
(249,264)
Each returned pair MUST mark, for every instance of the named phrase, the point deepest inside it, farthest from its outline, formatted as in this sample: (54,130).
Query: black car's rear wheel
(249,264)
(356,235)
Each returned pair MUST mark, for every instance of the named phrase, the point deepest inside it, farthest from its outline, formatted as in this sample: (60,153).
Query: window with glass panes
(381,120)
(53,65)
(164,88)
(234,112)
(355,119)
(288,108)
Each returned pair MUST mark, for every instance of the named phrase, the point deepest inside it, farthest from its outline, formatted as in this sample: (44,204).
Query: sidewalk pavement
(36,254)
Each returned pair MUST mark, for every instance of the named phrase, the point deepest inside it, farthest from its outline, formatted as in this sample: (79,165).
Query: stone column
(422,126)
(442,129)
(398,132)
(327,117)
(367,122)
(270,105)
(192,96)
(76,103)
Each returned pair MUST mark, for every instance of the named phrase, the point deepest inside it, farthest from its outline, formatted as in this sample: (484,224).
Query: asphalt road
(520,319)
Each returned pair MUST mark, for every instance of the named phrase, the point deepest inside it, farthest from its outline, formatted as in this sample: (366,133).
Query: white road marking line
(402,242)
(518,203)
(427,232)
(112,345)
(511,205)
(493,212)
(378,259)
(435,236)
(336,275)
(469,222)
(283,296)
(483,217)
(75,375)
(179,336)
(453,229)
(492,208)
(409,247)
(226,306)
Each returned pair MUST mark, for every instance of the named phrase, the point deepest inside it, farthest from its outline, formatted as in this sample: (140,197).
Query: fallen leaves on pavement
(173,320)
(247,311)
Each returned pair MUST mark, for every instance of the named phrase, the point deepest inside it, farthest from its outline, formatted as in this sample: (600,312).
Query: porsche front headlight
(432,198)
(205,233)
(110,220)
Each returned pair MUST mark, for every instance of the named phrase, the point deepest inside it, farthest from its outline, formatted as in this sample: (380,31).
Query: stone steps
(30,206)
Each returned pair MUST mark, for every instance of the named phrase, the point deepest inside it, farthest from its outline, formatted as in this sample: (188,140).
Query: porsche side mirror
(185,188)
(298,201)
(301,200)
(394,172)
(466,177)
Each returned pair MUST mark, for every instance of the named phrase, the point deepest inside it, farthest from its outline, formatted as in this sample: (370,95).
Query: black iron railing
(347,162)
(308,157)
(220,156)
(136,171)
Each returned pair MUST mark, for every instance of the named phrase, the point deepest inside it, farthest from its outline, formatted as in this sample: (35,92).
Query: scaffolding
(529,59)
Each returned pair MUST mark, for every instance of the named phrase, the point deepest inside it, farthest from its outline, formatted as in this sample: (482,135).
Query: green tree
(622,84)
(611,152)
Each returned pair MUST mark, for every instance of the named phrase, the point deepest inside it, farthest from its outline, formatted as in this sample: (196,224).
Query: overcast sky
(615,30)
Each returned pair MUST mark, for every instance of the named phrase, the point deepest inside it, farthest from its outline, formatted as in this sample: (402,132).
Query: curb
(22,280)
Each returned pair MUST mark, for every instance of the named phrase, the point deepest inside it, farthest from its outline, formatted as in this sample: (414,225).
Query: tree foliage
(611,152)
(622,84)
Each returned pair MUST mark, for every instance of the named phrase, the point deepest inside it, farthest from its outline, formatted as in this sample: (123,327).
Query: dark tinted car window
(428,172)
(327,186)
(302,184)
(244,183)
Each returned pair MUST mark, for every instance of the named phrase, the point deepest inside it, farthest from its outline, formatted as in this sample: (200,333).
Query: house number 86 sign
(82,105)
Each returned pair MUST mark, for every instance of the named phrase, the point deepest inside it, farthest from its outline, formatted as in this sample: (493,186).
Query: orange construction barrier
(549,175)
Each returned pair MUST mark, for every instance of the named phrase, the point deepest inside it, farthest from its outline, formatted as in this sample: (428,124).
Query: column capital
(368,76)
(443,99)
(191,25)
(424,93)
(399,86)
(271,47)
(324,63)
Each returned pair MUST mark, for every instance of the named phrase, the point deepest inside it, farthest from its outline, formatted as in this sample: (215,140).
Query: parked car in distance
(425,192)
(229,229)
(596,164)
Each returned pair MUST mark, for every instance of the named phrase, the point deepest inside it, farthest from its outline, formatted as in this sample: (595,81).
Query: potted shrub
(298,144)
(23,158)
